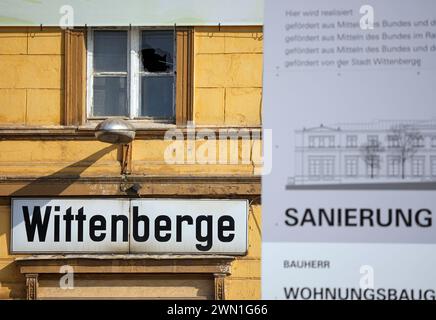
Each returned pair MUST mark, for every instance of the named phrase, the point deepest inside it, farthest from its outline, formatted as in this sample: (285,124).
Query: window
(373,166)
(417,167)
(328,168)
(331,140)
(433,166)
(321,167)
(394,166)
(314,167)
(351,166)
(418,142)
(311,142)
(157,74)
(132,73)
(110,74)
(433,142)
(351,141)
(321,142)
(373,140)
(393,141)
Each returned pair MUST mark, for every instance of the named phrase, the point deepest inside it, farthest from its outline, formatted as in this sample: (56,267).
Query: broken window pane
(157,90)
(110,51)
(157,51)
(110,96)
(157,97)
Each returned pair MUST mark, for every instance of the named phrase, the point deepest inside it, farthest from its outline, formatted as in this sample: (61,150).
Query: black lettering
(80,218)
(125,222)
(158,228)
(406,220)
(366,214)
(199,235)
(179,221)
(136,220)
(223,228)
(324,216)
(389,220)
(426,221)
(57,224)
(364,217)
(349,217)
(308,217)
(288,213)
(68,217)
(93,228)
(36,223)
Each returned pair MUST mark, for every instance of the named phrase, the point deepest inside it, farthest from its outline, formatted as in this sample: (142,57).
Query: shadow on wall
(72,172)
(16,289)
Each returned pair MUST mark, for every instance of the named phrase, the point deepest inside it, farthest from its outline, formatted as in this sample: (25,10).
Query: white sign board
(129,226)
(349,91)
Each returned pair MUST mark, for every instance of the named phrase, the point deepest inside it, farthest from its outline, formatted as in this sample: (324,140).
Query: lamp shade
(115,131)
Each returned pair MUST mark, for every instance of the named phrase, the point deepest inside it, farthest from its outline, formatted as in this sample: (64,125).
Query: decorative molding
(220,290)
(151,186)
(74,76)
(176,179)
(31,266)
(217,266)
(32,286)
(184,75)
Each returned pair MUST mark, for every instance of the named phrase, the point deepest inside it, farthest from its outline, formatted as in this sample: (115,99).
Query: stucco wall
(31,85)
(228,76)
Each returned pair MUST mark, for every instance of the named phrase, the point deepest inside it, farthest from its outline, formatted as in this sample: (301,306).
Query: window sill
(87,131)
(138,124)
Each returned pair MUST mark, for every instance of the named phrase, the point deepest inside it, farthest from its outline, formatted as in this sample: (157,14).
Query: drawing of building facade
(372,152)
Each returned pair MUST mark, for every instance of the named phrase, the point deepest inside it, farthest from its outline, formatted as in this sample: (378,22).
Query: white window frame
(373,140)
(393,141)
(328,167)
(418,166)
(419,142)
(351,166)
(314,167)
(394,166)
(331,141)
(133,74)
(321,167)
(433,166)
(376,170)
(351,141)
(312,142)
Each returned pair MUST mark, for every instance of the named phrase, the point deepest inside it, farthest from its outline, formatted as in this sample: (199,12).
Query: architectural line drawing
(381,151)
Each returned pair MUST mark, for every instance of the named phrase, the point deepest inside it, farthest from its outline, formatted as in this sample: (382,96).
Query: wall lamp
(119,132)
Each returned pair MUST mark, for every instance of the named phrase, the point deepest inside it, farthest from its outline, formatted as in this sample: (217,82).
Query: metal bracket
(126,159)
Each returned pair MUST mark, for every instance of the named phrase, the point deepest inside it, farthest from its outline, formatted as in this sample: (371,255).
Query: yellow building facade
(43,153)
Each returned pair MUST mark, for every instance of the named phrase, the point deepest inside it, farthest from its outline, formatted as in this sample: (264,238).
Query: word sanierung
(358,217)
